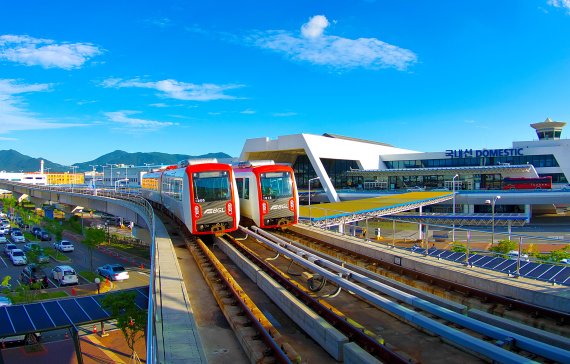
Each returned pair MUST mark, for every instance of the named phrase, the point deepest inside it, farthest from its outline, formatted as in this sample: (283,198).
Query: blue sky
(78,80)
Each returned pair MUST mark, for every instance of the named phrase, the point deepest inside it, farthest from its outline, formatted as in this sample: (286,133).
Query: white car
(513,255)
(4,230)
(114,272)
(64,275)
(63,246)
(18,257)
(566,187)
(3,238)
(17,237)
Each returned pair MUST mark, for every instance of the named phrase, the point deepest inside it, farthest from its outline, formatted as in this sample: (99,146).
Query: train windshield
(276,185)
(211,186)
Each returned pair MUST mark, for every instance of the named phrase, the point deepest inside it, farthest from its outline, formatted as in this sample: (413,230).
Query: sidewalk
(95,349)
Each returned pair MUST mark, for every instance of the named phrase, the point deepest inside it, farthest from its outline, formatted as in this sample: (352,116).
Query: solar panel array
(57,314)
(544,272)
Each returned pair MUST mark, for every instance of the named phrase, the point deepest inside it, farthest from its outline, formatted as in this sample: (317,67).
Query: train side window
(239,184)
(246,189)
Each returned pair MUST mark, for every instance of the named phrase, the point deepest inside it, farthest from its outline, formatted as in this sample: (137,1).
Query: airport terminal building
(336,163)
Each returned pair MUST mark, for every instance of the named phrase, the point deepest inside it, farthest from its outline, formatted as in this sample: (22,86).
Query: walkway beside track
(335,213)
(554,297)
(175,321)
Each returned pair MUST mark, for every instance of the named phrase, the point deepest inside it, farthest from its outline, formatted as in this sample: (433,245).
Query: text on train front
(278,203)
(213,209)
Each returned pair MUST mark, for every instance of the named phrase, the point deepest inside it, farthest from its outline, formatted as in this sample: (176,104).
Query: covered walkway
(335,213)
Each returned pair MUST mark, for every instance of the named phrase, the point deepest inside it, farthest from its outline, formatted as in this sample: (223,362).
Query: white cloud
(123,117)
(247,112)
(559,3)
(284,114)
(178,90)
(13,113)
(315,27)
(45,52)
(314,46)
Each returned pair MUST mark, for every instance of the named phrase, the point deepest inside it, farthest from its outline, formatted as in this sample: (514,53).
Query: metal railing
(143,208)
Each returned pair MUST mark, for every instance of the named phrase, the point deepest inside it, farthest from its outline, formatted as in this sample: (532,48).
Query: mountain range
(13,161)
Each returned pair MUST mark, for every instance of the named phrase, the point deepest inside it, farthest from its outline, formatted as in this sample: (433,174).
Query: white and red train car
(202,194)
(268,194)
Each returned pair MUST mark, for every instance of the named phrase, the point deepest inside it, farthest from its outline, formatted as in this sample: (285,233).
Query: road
(80,261)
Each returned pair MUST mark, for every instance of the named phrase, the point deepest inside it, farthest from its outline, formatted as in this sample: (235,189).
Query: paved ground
(95,349)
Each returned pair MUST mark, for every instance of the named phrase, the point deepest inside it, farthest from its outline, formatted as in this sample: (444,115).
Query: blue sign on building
(478,153)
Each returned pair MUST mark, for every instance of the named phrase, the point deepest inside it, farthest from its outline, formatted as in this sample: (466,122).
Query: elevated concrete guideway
(338,213)
(171,330)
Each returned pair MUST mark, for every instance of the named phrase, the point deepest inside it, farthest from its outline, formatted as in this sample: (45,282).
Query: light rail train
(268,194)
(201,194)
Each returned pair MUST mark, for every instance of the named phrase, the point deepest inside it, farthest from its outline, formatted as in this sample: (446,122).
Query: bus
(523,183)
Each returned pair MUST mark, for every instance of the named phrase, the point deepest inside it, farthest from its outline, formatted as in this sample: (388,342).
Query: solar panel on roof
(506,266)
(20,319)
(562,276)
(6,328)
(92,308)
(528,267)
(40,316)
(56,313)
(493,263)
(551,272)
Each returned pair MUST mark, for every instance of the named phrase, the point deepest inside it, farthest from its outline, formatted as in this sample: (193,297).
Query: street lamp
(73,169)
(98,283)
(310,180)
(492,203)
(453,186)
(94,166)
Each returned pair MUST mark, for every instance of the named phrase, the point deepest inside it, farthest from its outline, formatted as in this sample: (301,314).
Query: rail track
(540,317)
(517,347)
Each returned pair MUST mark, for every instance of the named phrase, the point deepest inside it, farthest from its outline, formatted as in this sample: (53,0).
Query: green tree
(559,254)
(458,248)
(93,237)
(130,318)
(504,246)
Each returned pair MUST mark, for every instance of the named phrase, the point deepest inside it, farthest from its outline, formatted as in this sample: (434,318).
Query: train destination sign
(477,153)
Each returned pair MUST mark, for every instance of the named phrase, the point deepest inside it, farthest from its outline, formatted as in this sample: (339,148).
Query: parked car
(114,272)
(5,301)
(3,239)
(8,249)
(566,187)
(43,235)
(17,237)
(4,230)
(34,274)
(35,229)
(18,257)
(16,340)
(37,250)
(63,246)
(514,255)
(64,275)
(31,246)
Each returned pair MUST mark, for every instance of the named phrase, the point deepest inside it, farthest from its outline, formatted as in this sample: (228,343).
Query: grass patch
(90,276)
(57,255)
(19,297)
(139,251)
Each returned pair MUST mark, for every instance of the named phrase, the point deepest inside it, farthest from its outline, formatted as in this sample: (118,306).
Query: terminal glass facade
(335,168)
(537,161)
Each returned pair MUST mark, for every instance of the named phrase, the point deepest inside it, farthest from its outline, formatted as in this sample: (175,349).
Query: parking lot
(80,261)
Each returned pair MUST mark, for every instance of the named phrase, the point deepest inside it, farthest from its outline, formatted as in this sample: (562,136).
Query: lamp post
(73,169)
(453,186)
(310,180)
(98,283)
(492,203)
(94,166)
